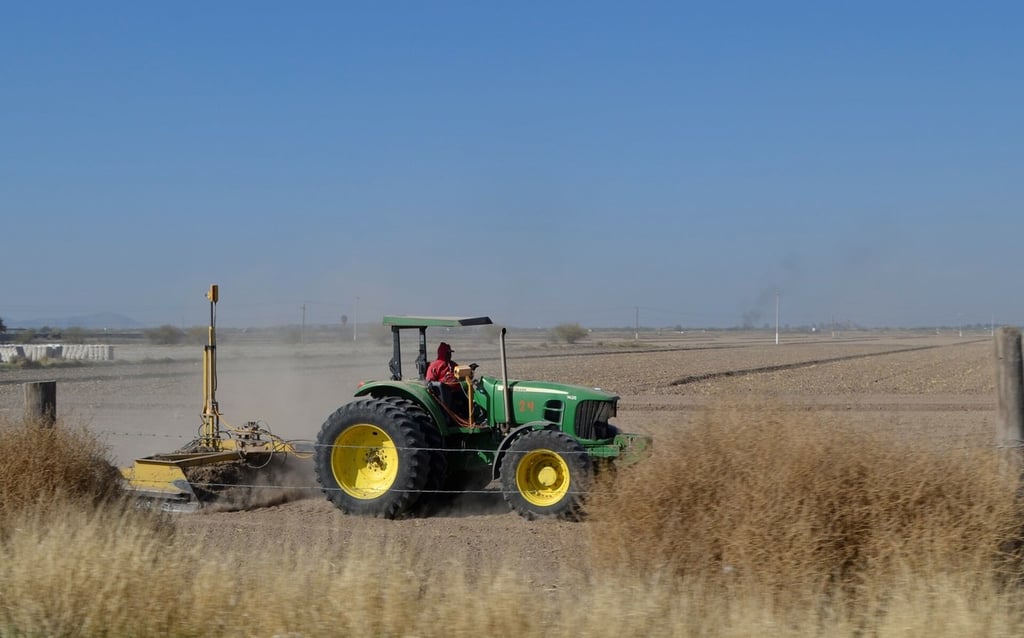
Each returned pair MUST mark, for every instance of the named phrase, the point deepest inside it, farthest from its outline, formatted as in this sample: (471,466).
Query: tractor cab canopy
(406,322)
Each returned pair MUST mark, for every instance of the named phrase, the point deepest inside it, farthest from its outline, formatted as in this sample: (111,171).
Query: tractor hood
(574,409)
(568,392)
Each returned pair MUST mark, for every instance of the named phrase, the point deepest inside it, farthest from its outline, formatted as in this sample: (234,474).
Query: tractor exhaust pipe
(506,394)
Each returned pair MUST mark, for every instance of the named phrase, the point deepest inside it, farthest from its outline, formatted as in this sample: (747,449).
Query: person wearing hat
(442,369)
(441,376)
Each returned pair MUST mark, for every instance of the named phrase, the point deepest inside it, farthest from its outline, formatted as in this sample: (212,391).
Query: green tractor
(401,446)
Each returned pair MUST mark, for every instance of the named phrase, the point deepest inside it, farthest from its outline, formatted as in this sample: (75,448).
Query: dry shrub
(724,519)
(88,571)
(97,572)
(42,465)
(783,503)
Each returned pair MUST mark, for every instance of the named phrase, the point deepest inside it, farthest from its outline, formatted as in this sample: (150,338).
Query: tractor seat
(441,391)
(446,395)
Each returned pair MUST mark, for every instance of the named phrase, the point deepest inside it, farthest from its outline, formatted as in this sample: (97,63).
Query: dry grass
(800,511)
(41,464)
(101,573)
(736,528)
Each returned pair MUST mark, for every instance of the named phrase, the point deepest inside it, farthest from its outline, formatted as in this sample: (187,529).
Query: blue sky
(538,162)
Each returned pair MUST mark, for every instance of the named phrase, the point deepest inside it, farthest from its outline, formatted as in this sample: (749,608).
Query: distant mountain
(89,322)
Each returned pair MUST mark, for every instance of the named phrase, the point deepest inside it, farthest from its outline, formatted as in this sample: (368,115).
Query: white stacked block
(9,353)
(38,352)
(89,352)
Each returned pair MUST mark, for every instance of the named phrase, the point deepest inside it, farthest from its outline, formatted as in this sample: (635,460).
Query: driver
(442,369)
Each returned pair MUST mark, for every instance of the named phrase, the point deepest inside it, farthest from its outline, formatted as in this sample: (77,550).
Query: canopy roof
(407,321)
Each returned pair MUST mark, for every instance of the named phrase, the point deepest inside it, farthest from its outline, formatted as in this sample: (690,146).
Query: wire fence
(312,444)
(309,447)
(494,487)
(304,444)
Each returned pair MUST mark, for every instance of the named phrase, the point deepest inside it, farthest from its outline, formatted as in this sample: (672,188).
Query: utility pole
(355,320)
(1009,395)
(776,317)
(636,324)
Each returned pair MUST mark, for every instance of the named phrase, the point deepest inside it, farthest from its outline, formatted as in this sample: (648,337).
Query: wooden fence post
(41,402)
(1010,392)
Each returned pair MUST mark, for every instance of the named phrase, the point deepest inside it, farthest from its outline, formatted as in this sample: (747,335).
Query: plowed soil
(936,387)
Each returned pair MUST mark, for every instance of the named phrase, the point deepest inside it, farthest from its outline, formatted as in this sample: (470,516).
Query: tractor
(402,446)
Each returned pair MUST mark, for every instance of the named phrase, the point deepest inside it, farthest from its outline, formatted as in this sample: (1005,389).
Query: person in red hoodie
(442,369)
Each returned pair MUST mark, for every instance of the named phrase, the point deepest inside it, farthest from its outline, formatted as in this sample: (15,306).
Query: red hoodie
(443,368)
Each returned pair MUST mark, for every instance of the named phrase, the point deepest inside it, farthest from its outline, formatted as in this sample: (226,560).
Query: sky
(538,162)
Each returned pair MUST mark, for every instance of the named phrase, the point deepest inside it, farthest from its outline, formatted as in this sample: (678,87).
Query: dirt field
(937,387)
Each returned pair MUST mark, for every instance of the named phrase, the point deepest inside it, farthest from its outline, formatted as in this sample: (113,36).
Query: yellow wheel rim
(364,461)
(542,477)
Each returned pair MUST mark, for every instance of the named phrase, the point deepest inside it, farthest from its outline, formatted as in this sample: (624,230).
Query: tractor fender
(506,443)
(407,390)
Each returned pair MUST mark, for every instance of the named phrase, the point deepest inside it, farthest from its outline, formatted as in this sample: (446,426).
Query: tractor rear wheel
(432,440)
(546,474)
(372,458)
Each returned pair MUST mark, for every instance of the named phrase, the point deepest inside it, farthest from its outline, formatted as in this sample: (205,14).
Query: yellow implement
(219,448)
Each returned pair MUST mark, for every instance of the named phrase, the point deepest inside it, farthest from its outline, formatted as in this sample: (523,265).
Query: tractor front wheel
(546,474)
(372,458)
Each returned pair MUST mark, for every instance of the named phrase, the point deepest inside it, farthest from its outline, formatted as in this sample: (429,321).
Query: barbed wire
(215,487)
(395,490)
(309,443)
(147,434)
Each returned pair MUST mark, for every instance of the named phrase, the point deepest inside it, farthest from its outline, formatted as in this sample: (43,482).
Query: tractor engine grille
(592,419)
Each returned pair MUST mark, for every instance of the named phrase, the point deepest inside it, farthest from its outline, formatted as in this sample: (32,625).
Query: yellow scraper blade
(159,479)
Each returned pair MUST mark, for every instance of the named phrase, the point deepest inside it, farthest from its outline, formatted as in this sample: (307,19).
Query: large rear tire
(546,474)
(372,458)
(434,444)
